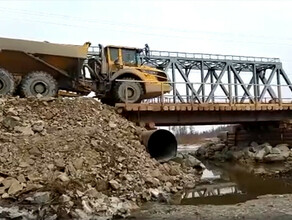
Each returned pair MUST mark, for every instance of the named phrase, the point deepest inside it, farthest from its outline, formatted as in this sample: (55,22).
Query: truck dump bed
(45,48)
(23,56)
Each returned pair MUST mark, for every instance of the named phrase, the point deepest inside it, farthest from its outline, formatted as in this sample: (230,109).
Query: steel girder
(209,70)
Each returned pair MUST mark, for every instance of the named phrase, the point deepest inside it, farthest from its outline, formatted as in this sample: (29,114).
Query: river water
(228,183)
(231,184)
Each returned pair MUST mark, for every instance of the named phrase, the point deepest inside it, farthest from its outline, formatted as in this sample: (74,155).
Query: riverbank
(268,207)
(228,190)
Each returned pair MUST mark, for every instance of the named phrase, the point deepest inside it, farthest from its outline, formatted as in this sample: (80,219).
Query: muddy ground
(264,207)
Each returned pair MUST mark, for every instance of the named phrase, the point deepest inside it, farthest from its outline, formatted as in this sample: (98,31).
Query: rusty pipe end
(160,144)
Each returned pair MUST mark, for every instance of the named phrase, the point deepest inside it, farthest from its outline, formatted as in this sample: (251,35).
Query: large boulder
(259,155)
(285,151)
(268,149)
(275,151)
(191,161)
(282,147)
(274,158)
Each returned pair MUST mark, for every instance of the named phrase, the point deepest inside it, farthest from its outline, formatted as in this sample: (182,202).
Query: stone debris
(40,198)
(38,126)
(24,130)
(188,160)
(75,158)
(191,161)
(263,153)
(273,158)
(63,177)
(114,184)
(259,155)
(14,188)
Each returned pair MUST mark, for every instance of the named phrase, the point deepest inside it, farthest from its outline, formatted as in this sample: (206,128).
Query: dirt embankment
(76,158)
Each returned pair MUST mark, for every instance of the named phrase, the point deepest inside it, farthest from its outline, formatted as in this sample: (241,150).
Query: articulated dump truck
(114,73)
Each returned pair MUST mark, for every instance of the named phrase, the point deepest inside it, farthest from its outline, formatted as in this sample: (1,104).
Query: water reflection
(231,185)
(217,194)
(219,189)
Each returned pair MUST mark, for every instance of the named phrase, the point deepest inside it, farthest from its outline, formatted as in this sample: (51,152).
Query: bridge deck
(164,114)
(201,107)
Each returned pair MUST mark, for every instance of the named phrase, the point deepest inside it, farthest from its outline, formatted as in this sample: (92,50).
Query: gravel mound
(76,158)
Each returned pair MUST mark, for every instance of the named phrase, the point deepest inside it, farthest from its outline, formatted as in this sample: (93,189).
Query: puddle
(231,185)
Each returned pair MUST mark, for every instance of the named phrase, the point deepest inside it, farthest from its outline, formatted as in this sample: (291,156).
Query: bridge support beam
(163,118)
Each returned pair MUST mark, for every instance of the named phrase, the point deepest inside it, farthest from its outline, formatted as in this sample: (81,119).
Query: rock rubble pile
(76,158)
(259,153)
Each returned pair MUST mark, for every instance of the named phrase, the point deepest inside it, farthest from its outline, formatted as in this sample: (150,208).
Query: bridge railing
(95,50)
(156,53)
(195,97)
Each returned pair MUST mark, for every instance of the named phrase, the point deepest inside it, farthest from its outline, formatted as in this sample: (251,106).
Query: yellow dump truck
(114,73)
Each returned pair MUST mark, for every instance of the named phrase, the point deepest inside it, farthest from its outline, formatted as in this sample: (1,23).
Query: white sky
(256,28)
(259,28)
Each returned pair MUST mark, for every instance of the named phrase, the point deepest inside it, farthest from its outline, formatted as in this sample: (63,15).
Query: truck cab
(131,80)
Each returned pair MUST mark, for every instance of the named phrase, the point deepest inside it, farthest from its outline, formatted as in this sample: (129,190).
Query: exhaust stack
(160,144)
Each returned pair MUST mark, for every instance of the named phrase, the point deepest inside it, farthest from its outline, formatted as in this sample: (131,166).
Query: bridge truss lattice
(240,79)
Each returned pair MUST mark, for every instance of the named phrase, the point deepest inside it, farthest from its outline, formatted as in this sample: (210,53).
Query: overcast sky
(260,28)
(257,28)
(254,28)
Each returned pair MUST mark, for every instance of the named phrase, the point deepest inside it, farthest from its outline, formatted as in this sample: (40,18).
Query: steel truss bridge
(214,68)
(215,89)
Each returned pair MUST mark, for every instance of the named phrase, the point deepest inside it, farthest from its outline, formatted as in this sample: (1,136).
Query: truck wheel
(134,91)
(7,84)
(38,83)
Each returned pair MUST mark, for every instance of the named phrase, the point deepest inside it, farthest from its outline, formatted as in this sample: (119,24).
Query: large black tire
(135,91)
(7,84)
(38,83)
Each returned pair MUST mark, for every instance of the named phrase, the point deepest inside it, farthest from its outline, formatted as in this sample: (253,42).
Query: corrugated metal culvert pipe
(160,144)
